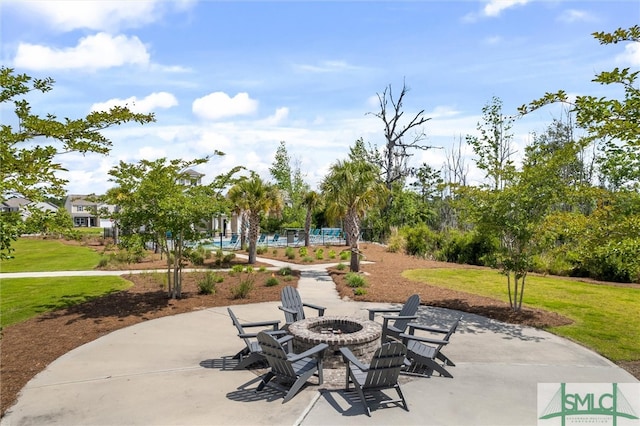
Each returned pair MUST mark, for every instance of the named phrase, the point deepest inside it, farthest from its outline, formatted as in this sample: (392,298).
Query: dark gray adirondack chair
(424,351)
(252,352)
(288,366)
(380,374)
(293,306)
(394,325)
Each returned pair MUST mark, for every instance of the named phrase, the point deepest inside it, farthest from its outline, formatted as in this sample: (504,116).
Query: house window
(79,208)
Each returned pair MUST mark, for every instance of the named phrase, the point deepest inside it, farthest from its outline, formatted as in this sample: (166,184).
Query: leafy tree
(351,189)
(614,121)
(154,199)
(31,144)
(291,183)
(46,222)
(494,147)
(257,198)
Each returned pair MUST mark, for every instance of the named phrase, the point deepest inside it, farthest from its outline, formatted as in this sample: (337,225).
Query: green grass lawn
(33,255)
(23,298)
(606,318)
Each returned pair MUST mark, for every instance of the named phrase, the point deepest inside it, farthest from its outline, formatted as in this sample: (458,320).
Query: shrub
(355,280)
(285,271)
(207,285)
(421,241)
(242,290)
(261,250)
(275,252)
(272,281)
(359,291)
(262,268)
(237,268)
(472,248)
(307,259)
(341,266)
(303,251)
(196,257)
(397,244)
(344,255)
(320,254)
(249,269)
(228,258)
(290,253)
(332,254)
(103,262)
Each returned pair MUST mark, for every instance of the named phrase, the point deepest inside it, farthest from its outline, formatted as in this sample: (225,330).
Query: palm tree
(351,189)
(311,200)
(257,198)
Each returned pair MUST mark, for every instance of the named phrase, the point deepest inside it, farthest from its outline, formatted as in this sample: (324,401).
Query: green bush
(307,259)
(355,280)
(344,255)
(285,271)
(290,253)
(320,254)
(332,254)
(237,268)
(261,250)
(359,291)
(275,252)
(242,290)
(421,241)
(272,281)
(262,268)
(228,258)
(341,266)
(249,269)
(207,285)
(396,244)
(303,251)
(472,248)
(617,261)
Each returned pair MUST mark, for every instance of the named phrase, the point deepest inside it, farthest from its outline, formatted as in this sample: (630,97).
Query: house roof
(16,202)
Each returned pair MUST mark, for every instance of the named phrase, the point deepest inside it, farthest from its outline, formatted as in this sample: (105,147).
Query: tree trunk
(352,229)
(254,230)
(307,228)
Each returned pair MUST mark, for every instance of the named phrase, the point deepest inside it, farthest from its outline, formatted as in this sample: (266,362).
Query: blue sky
(240,77)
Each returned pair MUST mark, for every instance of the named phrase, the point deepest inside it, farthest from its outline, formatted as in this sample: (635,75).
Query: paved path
(174,371)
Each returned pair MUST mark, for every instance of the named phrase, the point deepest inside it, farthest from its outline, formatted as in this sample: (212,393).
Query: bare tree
(394,162)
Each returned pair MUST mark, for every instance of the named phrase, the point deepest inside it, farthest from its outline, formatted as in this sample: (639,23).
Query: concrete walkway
(175,371)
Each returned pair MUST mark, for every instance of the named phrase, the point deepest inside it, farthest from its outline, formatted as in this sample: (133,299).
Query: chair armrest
(320,309)
(374,311)
(415,326)
(274,324)
(387,318)
(288,310)
(285,339)
(310,352)
(406,337)
(348,356)
(247,335)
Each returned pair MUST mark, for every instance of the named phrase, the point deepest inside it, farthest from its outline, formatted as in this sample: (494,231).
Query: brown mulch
(28,347)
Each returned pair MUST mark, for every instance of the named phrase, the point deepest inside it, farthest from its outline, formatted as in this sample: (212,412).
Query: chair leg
(431,364)
(442,357)
(404,401)
(297,385)
(266,379)
(249,360)
(363,399)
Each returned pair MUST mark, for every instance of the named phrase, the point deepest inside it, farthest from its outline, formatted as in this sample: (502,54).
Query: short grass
(23,298)
(606,318)
(33,255)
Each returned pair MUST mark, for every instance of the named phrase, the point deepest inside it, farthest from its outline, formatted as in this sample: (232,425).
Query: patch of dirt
(28,347)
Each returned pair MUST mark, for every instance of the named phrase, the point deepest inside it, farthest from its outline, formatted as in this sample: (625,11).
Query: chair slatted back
(452,330)
(410,308)
(276,356)
(385,366)
(291,300)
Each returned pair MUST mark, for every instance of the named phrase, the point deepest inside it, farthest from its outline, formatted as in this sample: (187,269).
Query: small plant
(261,250)
(355,280)
(272,281)
(320,254)
(285,271)
(332,254)
(262,268)
(341,266)
(237,269)
(344,255)
(290,253)
(241,291)
(303,251)
(207,285)
(104,261)
(275,252)
(359,291)
(249,269)
(307,259)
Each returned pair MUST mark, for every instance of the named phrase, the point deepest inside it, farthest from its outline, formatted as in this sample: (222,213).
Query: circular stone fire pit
(362,337)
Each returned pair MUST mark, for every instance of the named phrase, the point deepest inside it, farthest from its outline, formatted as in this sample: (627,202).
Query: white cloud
(92,52)
(326,67)
(574,15)
(631,55)
(219,105)
(68,15)
(279,115)
(145,105)
(495,7)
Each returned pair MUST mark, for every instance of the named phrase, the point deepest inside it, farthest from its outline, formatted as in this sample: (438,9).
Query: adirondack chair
(232,243)
(380,374)
(252,352)
(424,351)
(290,367)
(262,240)
(394,325)
(293,307)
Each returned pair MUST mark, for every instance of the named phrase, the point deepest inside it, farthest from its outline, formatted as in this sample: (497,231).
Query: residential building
(84,211)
